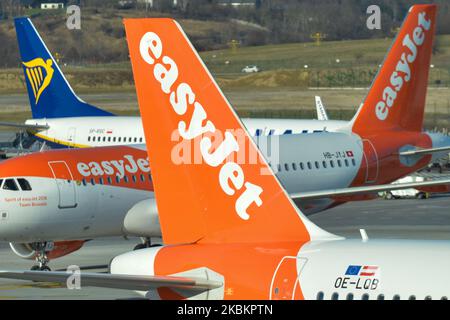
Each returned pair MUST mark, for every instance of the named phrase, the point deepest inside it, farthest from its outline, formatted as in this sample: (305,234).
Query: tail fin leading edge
(48,90)
(219,200)
(396,99)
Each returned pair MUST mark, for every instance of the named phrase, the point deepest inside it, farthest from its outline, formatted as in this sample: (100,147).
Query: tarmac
(394,219)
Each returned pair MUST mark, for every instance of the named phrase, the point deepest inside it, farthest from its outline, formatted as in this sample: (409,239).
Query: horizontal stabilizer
(24,126)
(115,281)
(369,189)
(416,152)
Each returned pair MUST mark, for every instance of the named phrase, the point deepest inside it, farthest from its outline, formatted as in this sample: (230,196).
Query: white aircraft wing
(424,151)
(368,189)
(321,112)
(116,281)
(24,126)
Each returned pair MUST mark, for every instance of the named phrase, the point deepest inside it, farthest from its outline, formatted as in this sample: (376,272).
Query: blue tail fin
(50,94)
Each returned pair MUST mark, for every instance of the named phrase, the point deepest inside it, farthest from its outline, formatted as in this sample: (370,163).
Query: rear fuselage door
(71,136)
(370,157)
(65,183)
(285,283)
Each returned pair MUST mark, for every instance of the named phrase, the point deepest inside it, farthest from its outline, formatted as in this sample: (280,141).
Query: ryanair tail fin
(48,90)
(396,99)
(218,199)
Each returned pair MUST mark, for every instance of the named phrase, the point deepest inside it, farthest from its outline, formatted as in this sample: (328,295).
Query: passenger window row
(259,132)
(110,181)
(11,184)
(115,139)
(316,165)
(365,296)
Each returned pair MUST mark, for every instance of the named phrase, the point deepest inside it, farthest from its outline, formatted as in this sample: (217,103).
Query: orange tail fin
(219,200)
(396,99)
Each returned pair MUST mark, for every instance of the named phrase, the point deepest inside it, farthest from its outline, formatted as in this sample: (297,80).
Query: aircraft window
(271,132)
(279,167)
(134,178)
(353,162)
(317,164)
(129,139)
(24,184)
(135,139)
(412,297)
(428,298)
(444,298)
(109,180)
(117,179)
(380,297)
(332,163)
(84,182)
(320,295)
(305,131)
(350,296)
(100,180)
(114,139)
(294,166)
(89,138)
(302,166)
(396,297)
(93,138)
(140,139)
(324,164)
(335,296)
(365,296)
(339,162)
(309,165)
(93,181)
(142,178)
(119,139)
(149,177)
(125,178)
(104,139)
(10,184)
(124,139)
(288,131)
(258,132)
(109,139)
(286,166)
(346,162)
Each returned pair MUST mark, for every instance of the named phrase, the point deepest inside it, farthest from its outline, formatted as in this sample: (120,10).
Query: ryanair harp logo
(39,73)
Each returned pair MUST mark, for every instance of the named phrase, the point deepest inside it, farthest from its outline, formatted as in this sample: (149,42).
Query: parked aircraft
(233,233)
(75,195)
(62,119)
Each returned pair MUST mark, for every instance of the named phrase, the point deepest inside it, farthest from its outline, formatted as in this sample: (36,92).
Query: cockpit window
(1,182)
(10,184)
(24,184)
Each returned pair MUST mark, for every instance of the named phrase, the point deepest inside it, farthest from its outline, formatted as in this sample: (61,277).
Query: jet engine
(142,220)
(53,249)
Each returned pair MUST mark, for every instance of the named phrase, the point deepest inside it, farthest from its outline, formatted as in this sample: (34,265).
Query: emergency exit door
(65,184)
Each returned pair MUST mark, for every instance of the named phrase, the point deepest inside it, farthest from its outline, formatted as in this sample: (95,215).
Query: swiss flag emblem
(349,154)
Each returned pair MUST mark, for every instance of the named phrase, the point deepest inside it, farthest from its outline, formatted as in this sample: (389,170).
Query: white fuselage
(93,210)
(346,269)
(118,130)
